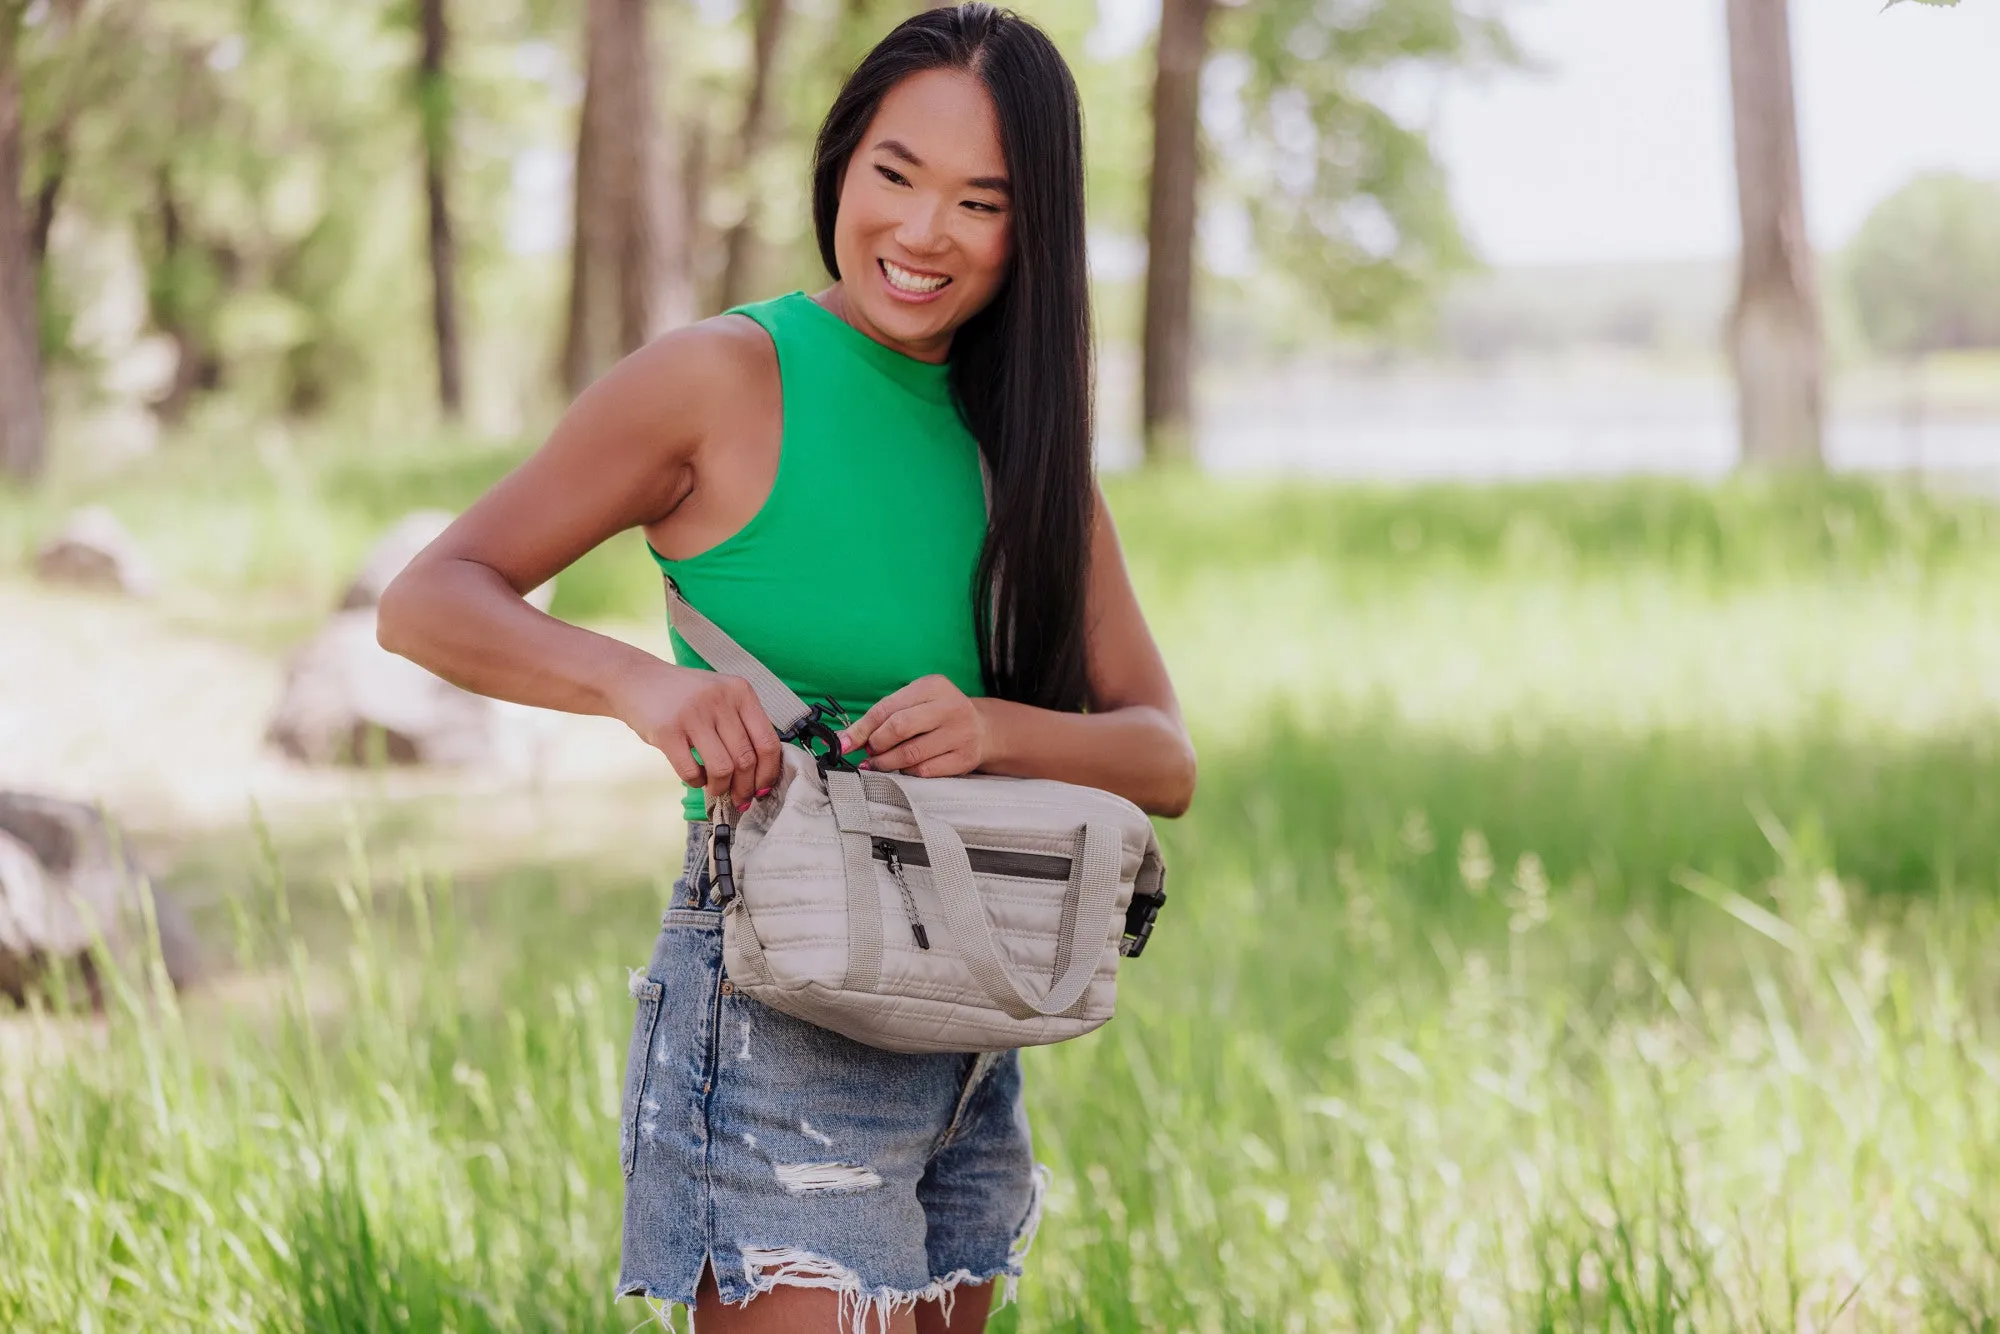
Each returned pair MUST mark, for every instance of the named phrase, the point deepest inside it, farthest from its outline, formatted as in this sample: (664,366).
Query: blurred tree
(434,103)
(628,270)
(23,431)
(1925,267)
(1343,199)
(1775,327)
(767,22)
(1166,390)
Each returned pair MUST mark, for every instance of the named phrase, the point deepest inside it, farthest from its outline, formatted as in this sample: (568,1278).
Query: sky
(1615,146)
(1620,148)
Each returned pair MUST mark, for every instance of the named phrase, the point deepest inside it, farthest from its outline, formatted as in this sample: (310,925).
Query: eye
(892,175)
(975,203)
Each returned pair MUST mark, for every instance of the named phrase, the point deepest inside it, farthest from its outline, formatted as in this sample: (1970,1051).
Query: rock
(93,550)
(398,547)
(63,881)
(341,687)
(391,552)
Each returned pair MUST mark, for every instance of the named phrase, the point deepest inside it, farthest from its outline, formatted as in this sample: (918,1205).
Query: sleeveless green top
(855,578)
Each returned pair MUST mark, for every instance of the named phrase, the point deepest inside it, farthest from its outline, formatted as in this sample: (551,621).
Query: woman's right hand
(709,726)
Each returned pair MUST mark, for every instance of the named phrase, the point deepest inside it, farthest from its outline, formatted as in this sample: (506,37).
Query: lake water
(1408,424)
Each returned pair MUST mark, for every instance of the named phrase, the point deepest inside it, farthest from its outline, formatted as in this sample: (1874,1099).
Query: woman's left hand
(928,729)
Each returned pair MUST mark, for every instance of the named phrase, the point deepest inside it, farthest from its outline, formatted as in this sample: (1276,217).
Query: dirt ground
(104,699)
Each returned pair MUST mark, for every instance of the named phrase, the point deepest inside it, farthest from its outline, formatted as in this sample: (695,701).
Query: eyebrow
(897,148)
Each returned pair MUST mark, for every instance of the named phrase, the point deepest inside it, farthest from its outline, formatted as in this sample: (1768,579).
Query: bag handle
(1087,912)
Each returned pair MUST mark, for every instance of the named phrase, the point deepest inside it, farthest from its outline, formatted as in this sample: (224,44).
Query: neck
(834,299)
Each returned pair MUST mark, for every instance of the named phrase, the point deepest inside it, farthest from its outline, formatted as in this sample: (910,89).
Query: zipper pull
(888,850)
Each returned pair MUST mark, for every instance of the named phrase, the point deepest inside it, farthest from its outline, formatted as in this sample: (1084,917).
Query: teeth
(902,278)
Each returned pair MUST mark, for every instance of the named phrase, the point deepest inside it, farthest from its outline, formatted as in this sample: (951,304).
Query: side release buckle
(1139,919)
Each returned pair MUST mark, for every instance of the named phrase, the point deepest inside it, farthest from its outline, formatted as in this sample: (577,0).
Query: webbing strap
(864,902)
(781,703)
(1086,924)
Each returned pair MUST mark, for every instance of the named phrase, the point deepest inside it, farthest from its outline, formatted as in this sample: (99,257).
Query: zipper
(885,850)
(985,861)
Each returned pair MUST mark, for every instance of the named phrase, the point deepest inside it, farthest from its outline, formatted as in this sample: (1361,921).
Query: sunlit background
(1583,919)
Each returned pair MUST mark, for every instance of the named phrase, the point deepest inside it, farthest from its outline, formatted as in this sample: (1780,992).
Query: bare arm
(1132,742)
(621,457)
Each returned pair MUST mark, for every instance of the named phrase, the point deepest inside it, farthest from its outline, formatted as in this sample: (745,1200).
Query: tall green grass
(1581,925)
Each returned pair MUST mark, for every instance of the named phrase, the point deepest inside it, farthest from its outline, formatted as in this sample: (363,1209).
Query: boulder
(93,550)
(342,688)
(397,548)
(62,882)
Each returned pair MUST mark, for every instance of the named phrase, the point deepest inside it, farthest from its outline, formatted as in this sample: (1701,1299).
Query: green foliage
(1925,267)
(1348,203)
(263,162)
(1581,924)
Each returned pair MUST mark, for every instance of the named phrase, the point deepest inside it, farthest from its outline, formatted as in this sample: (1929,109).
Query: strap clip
(815,734)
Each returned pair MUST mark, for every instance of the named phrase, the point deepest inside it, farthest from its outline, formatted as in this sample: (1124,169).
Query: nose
(923,229)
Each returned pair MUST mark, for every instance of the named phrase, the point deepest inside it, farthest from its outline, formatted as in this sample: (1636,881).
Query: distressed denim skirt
(785,1154)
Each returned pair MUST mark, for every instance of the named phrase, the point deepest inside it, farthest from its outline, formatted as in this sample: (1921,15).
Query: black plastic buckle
(815,733)
(722,876)
(1139,918)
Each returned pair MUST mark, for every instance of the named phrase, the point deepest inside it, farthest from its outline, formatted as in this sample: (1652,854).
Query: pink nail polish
(763,791)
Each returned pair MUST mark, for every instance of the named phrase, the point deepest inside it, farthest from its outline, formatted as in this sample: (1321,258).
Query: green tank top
(855,578)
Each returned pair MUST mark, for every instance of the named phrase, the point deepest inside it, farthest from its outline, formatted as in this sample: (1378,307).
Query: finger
(719,769)
(948,765)
(678,750)
(857,733)
(904,724)
(742,760)
(911,752)
(770,764)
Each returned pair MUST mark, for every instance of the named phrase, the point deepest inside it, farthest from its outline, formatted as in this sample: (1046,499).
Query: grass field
(1582,924)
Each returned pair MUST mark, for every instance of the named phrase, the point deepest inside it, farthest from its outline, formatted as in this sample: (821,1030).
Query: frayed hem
(862,1310)
(663,1308)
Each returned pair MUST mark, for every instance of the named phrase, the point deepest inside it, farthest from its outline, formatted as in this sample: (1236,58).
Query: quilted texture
(790,943)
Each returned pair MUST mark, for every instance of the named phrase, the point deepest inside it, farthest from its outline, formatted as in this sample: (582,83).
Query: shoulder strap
(782,704)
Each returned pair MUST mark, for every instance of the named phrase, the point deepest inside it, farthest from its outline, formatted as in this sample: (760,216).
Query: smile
(908,281)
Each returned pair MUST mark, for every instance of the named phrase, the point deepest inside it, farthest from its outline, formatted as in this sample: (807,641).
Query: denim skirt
(782,1153)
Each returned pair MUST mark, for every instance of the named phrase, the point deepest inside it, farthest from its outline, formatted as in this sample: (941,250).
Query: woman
(808,470)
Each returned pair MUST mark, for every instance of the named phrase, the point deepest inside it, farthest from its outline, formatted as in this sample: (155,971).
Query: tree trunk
(737,245)
(1166,407)
(170,306)
(48,195)
(628,262)
(23,430)
(1774,329)
(435,106)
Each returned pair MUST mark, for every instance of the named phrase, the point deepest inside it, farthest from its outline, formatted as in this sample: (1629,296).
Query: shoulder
(695,372)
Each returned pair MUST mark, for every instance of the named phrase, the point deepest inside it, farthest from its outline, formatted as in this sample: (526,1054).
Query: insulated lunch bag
(974,913)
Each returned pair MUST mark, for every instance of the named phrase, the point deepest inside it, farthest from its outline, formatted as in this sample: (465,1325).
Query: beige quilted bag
(923,914)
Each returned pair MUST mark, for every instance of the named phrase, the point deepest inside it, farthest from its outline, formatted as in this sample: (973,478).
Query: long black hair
(1021,368)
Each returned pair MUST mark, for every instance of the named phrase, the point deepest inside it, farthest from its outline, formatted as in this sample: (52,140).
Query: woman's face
(925,227)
